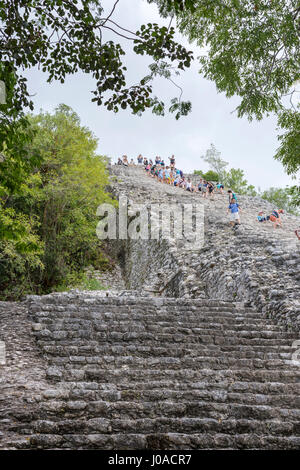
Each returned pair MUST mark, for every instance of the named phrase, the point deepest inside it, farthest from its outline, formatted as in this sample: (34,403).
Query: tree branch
(124,29)
(116,32)
(111,13)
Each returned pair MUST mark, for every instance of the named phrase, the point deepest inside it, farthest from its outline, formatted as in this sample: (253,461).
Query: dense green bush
(55,209)
(282,198)
(210,175)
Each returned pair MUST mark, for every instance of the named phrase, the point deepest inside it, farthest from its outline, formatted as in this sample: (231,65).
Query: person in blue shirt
(167,175)
(177,180)
(262,218)
(220,188)
(234,209)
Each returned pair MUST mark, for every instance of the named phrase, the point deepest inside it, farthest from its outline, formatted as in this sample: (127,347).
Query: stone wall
(138,369)
(155,266)
(86,371)
(255,264)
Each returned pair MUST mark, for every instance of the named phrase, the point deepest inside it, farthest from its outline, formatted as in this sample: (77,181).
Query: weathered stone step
(164,441)
(80,337)
(144,308)
(102,308)
(156,324)
(91,299)
(160,387)
(217,362)
(59,409)
(260,375)
(93,348)
(83,356)
(167,424)
(195,335)
(208,317)
(224,395)
(195,319)
(136,299)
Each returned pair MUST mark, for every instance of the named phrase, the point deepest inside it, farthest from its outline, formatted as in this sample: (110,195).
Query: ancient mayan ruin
(189,349)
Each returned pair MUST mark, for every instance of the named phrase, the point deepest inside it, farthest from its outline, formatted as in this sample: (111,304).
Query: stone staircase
(133,372)
(255,263)
(162,365)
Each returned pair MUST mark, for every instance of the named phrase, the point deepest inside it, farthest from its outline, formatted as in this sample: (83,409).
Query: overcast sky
(245,145)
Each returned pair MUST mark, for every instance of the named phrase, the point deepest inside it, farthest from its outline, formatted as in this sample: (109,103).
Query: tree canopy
(63,37)
(47,227)
(213,158)
(251,49)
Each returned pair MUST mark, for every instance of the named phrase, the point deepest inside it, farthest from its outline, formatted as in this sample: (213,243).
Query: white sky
(245,145)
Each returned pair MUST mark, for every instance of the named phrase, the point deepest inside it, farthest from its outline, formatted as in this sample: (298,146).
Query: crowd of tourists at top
(169,174)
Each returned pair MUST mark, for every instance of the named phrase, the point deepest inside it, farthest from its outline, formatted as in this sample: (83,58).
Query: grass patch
(79,281)
(92,284)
